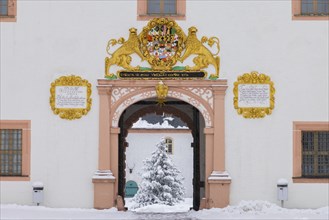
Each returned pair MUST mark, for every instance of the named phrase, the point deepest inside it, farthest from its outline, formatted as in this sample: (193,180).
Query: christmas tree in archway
(162,182)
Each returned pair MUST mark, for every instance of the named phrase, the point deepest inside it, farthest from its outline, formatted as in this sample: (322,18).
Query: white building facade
(44,40)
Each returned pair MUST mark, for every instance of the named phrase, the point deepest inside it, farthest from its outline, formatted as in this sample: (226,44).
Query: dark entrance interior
(187,113)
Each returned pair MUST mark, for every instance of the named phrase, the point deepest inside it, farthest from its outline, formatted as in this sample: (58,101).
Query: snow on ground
(261,210)
(245,210)
(39,212)
(160,208)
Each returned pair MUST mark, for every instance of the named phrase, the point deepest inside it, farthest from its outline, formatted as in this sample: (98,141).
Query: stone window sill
(14,178)
(309,17)
(146,17)
(7,18)
(309,180)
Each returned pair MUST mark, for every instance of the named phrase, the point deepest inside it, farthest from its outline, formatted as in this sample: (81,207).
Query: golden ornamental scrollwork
(162,43)
(204,58)
(70,97)
(254,95)
(121,57)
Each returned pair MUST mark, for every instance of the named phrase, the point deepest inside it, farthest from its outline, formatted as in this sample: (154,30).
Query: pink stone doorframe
(208,96)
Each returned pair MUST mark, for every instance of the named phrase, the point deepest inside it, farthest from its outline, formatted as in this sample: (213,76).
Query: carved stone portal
(208,96)
(162,44)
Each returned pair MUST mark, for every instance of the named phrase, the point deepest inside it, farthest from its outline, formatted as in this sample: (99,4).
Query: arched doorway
(207,96)
(185,112)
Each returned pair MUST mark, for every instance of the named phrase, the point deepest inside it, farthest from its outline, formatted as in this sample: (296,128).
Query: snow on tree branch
(162,182)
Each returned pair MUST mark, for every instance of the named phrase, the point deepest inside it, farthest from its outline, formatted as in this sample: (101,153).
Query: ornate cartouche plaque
(70,97)
(162,43)
(254,95)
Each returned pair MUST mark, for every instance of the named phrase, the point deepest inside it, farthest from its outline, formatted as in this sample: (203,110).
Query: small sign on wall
(70,97)
(254,95)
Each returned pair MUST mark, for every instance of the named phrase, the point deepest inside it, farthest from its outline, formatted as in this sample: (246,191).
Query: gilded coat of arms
(162,43)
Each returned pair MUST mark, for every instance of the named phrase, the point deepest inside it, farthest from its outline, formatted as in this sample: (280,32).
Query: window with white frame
(169,145)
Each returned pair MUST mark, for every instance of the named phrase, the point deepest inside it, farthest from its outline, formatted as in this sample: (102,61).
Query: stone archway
(138,94)
(187,114)
(208,96)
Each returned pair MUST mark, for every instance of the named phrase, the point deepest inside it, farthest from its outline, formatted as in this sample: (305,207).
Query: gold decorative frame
(70,113)
(254,78)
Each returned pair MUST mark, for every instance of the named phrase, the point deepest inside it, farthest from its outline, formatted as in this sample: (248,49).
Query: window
(14,150)
(161,7)
(8,10)
(11,152)
(315,154)
(169,147)
(310,9)
(148,9)
(314,7)
(311,152)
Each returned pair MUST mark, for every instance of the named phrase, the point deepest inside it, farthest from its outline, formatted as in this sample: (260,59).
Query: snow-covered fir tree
(162,182)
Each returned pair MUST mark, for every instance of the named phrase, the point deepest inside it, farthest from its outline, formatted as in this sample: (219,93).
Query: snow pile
(252,207)
(261,210)
(282,181)
(37,184)
(161,208)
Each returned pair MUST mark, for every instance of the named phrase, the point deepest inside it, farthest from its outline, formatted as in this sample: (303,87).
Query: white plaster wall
(54,38)
(142,145)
